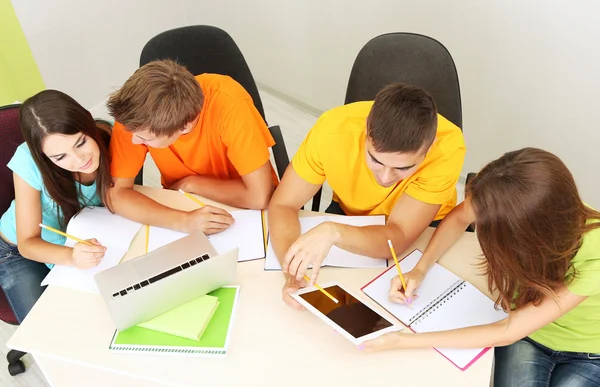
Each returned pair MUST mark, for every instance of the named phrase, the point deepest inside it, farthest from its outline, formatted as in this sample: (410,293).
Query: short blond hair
(161,97)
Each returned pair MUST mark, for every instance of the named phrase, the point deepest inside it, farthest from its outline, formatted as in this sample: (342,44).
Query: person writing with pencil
(394,156)
(205,136)
(541,245)
(62,167)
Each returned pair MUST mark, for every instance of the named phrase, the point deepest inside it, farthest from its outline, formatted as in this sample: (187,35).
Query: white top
(272,344)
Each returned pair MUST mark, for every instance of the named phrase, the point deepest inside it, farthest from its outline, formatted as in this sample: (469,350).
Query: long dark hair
(530,224)
(54,112)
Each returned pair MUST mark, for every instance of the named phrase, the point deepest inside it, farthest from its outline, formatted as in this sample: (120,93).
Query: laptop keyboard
(158,277)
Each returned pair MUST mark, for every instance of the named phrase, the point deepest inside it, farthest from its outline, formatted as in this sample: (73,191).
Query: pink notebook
(445,302)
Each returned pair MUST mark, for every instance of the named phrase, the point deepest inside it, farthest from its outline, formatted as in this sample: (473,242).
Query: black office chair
(208,49)
(409,58)
(10,139)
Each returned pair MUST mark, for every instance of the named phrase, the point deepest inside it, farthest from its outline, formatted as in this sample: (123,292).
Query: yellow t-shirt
(334,150)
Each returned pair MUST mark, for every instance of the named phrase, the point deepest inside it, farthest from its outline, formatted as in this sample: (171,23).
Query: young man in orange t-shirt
(205,136)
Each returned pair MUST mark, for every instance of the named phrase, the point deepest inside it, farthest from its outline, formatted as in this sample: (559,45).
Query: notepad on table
(336,257)
(213,343)
(445,302)
(111,230)
(188,320)
(246,233)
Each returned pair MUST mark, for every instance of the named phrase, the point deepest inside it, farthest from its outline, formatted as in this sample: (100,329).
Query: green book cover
(188,321)
(214,340)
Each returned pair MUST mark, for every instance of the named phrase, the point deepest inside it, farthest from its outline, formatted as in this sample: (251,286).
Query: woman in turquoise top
(62,167)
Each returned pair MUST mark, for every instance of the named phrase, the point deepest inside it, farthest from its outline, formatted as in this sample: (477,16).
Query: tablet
(350,317)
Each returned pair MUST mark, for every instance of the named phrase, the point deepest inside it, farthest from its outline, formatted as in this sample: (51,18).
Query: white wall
(528,69)
(89,48)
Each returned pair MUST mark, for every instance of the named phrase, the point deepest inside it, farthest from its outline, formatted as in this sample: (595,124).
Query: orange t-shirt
(230,140)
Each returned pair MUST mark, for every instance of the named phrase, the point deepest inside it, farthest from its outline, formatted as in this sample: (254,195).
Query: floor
(294,123)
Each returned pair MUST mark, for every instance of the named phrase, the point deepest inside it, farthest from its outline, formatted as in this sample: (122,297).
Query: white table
(68,333)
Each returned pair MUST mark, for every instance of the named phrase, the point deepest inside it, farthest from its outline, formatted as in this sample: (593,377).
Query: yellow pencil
(325,292)
(191,197)
(147,237)
(397,264)
(65,234)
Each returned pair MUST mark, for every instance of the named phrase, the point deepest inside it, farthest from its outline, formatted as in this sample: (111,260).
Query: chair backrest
(409,58)
(203,49)
(10,139)
(208,49)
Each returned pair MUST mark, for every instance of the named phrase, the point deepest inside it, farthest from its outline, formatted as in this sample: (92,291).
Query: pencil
(65,234)
(147,237)
(191,197)
(397,264)
(325,292)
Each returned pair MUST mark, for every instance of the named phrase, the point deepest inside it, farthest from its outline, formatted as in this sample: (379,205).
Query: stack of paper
(111,230)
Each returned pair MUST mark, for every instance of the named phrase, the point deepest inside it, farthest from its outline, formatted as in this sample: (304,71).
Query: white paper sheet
(111,230)
(336,257)
(246,233)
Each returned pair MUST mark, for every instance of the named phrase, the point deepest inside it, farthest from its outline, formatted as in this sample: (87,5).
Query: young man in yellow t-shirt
(394,156)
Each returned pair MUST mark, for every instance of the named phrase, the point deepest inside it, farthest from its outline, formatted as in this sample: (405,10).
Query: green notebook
(213,343)
(188,321)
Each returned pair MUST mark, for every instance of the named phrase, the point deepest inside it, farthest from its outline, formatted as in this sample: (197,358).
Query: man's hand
(291,286)
(209,219)
(310,248)
(182,183)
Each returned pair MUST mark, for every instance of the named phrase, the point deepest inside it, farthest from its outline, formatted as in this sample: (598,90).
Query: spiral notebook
(213,343)
(445,302)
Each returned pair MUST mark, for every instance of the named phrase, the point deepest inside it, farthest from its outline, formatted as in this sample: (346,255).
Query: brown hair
(54,112)
(530,224)
(161,97)
(403,119)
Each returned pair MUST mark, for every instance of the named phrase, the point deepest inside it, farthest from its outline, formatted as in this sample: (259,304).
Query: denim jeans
(20,279)
(530,364)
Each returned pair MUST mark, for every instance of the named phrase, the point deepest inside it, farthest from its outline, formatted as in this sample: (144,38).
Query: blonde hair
(161,97)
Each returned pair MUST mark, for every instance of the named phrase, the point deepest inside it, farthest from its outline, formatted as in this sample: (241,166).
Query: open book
(111,230)
(336,257)
(214,342)
(247,233)
(445,302)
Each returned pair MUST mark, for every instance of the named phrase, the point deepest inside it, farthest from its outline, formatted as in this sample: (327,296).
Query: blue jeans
(20,279)
(527,363)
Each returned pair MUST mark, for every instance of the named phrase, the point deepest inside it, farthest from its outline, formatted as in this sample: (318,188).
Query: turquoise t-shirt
(22,164)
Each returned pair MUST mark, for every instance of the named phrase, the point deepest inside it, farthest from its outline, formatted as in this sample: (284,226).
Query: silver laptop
(147,286)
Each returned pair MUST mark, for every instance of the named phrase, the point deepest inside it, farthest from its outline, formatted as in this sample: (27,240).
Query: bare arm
(518,325)
(407,221)
(138,207)
(29,234)
(291,194)
(253,191)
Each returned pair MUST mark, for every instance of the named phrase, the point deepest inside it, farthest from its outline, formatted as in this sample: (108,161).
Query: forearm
(370,241)
(140,208)
(39,250)
(284,229)
(447,233)
(231,192)
(490,335)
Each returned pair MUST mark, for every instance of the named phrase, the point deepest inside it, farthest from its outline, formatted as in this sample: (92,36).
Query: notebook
(213,343)
(336,257)
(188,320)
(111,230)
(247,233)
(445,302)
